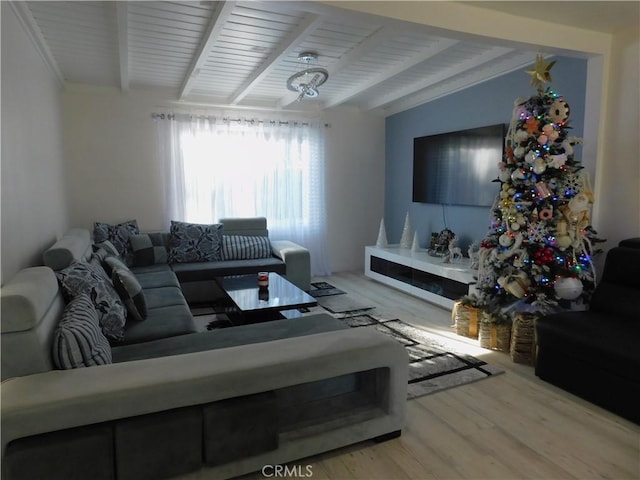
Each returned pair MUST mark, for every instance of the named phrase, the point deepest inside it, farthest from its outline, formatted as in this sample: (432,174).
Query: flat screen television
(458,168)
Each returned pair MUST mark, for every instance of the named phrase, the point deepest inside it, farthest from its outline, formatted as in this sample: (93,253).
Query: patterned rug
(335,300)
(435,362)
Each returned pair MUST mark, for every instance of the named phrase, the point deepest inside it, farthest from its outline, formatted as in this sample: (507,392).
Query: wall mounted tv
(458,168)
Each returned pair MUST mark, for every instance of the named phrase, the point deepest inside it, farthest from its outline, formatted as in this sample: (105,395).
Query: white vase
(382,236)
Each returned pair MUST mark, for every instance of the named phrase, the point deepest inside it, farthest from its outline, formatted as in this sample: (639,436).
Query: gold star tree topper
(541,71)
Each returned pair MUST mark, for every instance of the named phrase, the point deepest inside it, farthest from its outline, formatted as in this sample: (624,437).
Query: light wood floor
(512,426)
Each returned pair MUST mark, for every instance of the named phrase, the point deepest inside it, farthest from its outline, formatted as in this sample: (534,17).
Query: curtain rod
(252,121)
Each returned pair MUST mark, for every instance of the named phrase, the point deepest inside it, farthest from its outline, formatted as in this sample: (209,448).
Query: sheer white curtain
(216,168)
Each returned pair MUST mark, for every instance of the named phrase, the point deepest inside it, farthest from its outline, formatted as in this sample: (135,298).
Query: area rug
(324,289)
(335,300)
(435,362)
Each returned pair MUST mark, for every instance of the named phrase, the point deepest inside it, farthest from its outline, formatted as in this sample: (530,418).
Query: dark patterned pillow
(245,247)
(78,340)
(194,242)
(118,234)
(82,277)
(148,249)
(130,291)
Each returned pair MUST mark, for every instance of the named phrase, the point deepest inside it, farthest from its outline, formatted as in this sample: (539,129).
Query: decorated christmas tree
(536,256)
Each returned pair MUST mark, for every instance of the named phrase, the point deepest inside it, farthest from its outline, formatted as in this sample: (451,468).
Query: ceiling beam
(307,26)
(122,21)
(33,31)
(383,76)
(444,74)
(372,41)
(218,19)
(511,64)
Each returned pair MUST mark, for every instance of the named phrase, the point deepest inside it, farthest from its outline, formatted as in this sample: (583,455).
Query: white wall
(34,192)
(114,173)
(355,186)
(617,213)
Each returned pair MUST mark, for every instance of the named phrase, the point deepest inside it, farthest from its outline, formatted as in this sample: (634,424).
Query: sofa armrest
(61,399)
(297,260)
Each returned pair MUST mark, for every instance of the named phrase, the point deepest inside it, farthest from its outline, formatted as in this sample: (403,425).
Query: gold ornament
(540,73)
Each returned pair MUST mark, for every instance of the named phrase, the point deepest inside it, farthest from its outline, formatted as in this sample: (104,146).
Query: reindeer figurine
(454,251)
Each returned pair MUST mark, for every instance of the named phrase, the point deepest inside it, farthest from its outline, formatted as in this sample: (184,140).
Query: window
(217,169)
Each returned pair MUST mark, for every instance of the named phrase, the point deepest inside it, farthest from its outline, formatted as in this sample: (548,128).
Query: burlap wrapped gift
(494,333)
(465,319)
(523,344)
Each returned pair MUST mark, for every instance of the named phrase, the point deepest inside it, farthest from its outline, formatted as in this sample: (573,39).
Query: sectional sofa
(175,402)
(594,353)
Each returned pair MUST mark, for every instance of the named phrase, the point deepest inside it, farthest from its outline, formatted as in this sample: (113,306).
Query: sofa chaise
(176,402)
(594,354)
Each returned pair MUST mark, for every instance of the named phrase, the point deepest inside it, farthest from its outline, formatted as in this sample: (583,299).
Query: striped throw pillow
(78,340)
(245,247)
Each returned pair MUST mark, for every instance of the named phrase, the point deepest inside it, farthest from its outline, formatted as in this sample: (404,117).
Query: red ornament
(543,256)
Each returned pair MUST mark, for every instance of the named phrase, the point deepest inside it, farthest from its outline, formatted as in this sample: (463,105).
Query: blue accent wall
(485,104)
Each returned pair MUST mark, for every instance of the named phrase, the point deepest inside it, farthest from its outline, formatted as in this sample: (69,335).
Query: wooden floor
(511,426)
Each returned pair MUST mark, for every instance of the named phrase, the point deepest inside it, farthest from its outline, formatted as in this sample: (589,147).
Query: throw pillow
(78,340)
(243,247)
(118,234)
(147,249)
(110,263)
(130,291)
(82,277)
(104,249)
(193,242)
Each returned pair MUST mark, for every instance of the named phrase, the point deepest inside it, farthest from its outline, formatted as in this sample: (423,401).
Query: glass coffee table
(251,303)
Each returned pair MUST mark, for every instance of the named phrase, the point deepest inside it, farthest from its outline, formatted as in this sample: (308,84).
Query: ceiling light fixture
(307,81)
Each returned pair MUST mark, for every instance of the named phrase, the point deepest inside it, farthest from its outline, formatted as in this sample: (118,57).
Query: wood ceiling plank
(308,24)
(214,28)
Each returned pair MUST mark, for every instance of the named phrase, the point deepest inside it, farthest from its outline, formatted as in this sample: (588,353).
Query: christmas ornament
(538,233)
(562,236)
(568,288)
(518,174)
(545,214)
(531,157)
(522,135)
(539,166)
(540,73)
(556,161)
(532,126)
(559,111)
(516,285)
(543,190)
(543,256)
(505,240)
